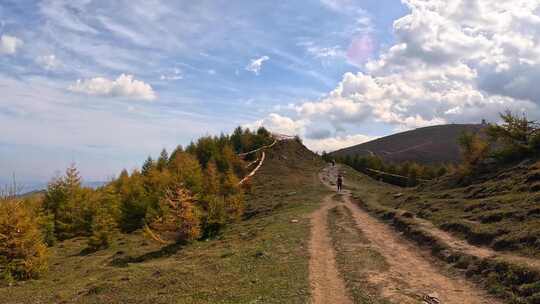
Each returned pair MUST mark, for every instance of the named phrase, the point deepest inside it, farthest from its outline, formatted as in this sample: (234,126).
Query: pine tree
(134,201)
(104,220)
(67,201)
(236,139)
(163,160)
(147,166)
(72,178)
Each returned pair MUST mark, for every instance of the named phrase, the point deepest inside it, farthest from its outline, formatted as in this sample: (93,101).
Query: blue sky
(195,56)
(106,83)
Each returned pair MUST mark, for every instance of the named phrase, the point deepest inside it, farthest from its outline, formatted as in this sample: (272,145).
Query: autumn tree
(233,195)
(180,218)
(23,254)
(474,150)
(105,219)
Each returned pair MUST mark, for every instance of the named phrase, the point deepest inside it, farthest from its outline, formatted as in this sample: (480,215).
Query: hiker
(339,182)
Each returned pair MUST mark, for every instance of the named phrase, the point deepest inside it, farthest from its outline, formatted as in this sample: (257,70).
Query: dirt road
(411,275)
(326,284)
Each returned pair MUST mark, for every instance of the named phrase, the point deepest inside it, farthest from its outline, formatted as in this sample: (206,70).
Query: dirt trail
(326,284)
(481,252)
(411,275)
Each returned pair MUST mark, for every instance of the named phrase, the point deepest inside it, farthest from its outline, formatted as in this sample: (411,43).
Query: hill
(261,259)
(429,145)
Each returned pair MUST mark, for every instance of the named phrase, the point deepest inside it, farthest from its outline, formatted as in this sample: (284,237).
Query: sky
(104,84)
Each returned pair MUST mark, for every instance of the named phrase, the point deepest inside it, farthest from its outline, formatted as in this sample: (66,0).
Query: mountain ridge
(427,145)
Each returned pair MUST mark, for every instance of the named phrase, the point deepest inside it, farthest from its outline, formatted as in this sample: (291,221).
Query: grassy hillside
(500,209)
(487,231)
(262,259)
(436,144)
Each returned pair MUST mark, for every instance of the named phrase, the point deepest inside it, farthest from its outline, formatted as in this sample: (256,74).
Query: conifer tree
(104,220)
(177,150)
(162,160)
(233,195)
(186,171)
(236,139)
(23,253)
(147,166)
(180,215)
(134,201)
(211,179)
(66,201)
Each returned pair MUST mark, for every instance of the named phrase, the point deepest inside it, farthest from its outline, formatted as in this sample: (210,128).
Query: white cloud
(453,61)
(256,64)
(326,52)
(123,86)
(280,124)
(176,74)
(343,6)
(336,143)
(9,44)
(48,62)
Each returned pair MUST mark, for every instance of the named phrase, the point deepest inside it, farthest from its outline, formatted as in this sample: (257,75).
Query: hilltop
(429,145)
(261,259)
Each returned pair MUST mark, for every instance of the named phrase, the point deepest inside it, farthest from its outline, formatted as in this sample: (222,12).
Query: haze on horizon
(105,84)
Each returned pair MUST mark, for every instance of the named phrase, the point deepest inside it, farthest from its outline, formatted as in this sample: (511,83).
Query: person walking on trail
(339,182)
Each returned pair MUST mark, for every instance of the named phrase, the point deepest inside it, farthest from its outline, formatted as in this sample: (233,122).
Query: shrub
(103,228)
(474,150)
(516,138)
(216,216)
(23,254)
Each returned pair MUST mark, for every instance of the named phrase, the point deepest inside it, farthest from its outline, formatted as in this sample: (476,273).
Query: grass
(262,259)
(512,282)
(500,211)
(355,259)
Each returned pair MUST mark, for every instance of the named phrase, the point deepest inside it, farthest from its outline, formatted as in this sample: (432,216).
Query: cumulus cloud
(123,86)
(255,65)
(336,143)
(9,44)
(48,62)
(453,61)
(280,124)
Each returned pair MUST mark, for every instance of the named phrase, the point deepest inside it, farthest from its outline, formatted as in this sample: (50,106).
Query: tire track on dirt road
(327,287)
(411,275)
